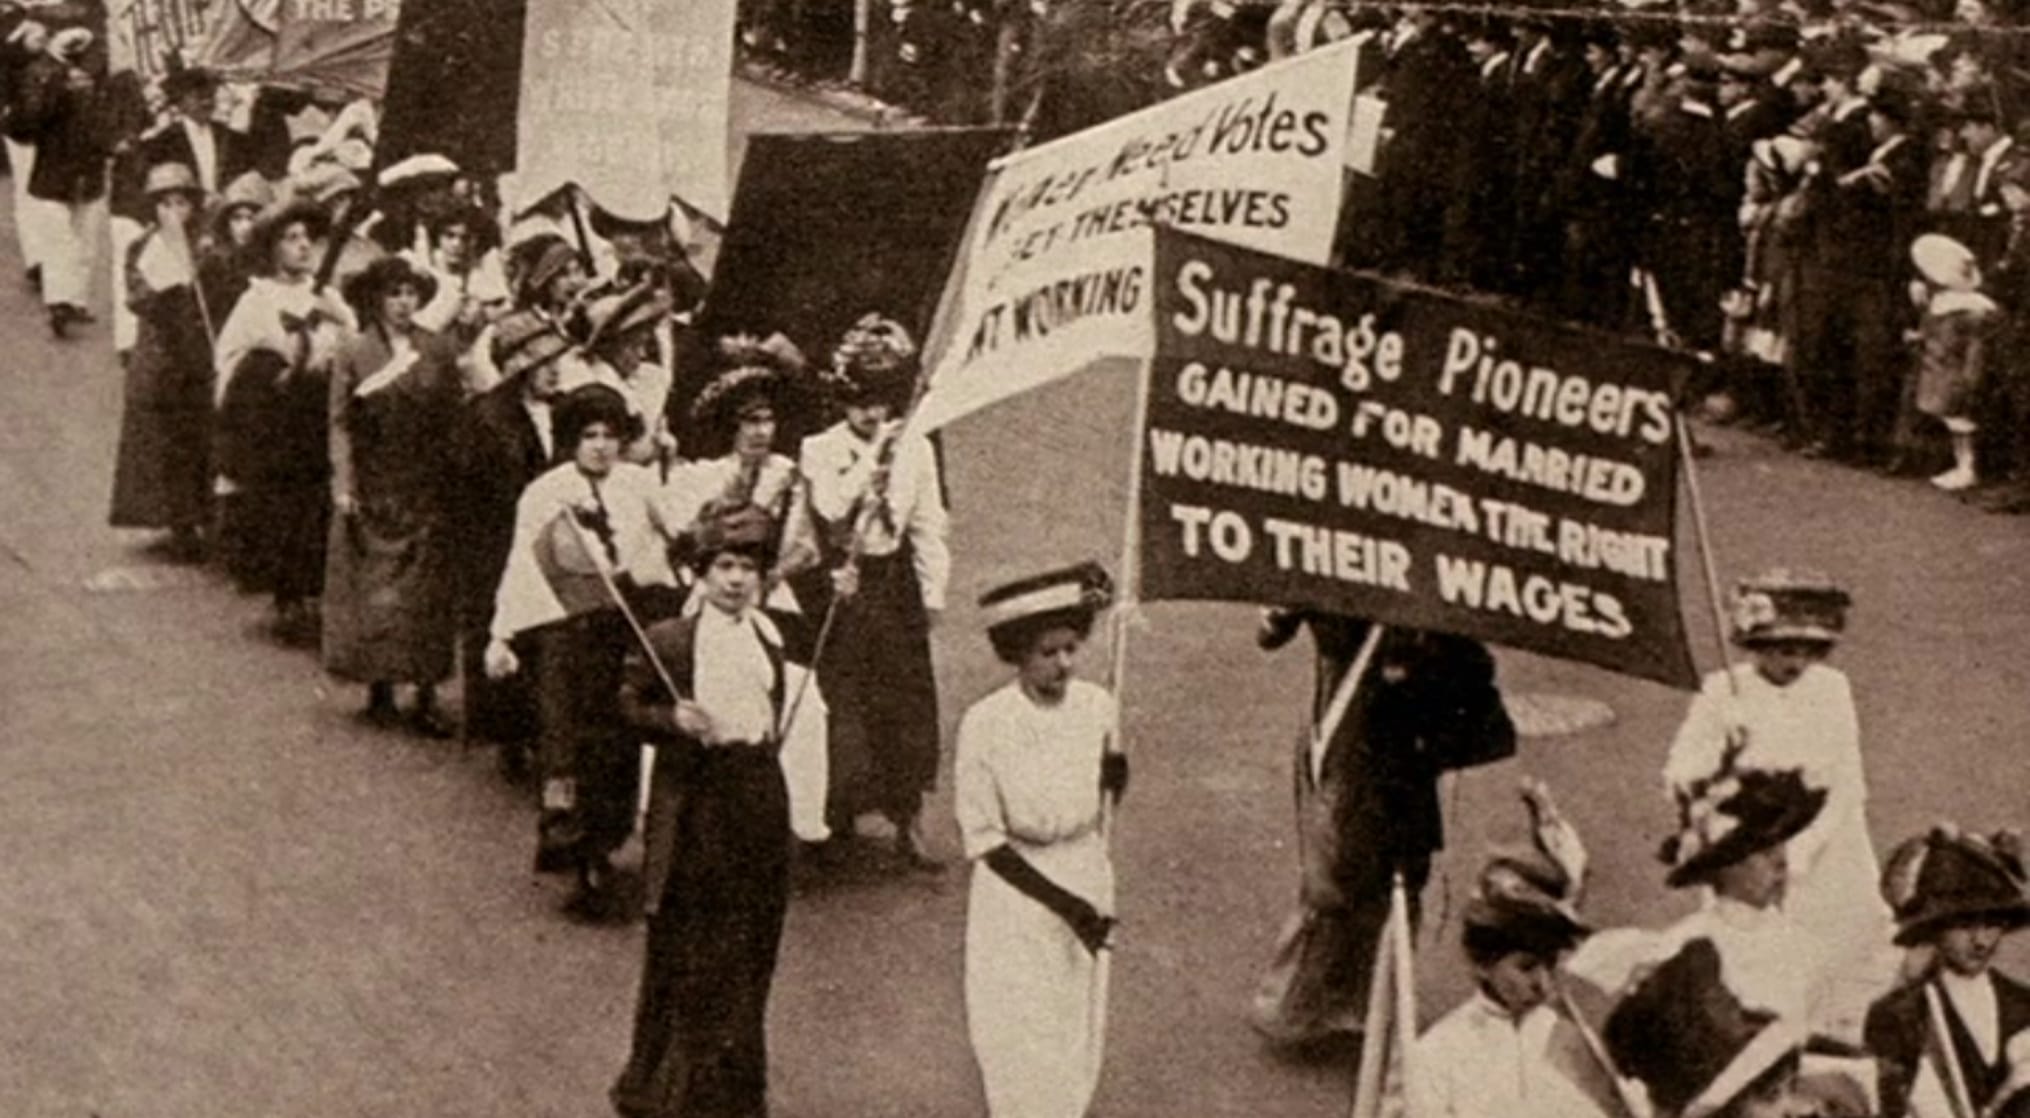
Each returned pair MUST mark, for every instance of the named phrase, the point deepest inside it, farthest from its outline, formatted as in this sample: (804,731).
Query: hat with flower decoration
(1789,605)
(1945,876)
(874,362)
(1733,814)
(757,373)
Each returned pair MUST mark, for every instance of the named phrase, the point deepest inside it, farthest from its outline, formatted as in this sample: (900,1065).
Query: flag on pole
(573,558)
(1381,1090)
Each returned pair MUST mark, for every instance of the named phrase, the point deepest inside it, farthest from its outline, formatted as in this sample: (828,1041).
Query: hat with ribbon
(1690,1041)
(1073,595)
(1785,604)
(1733,814)
(525,341)
(1947,876)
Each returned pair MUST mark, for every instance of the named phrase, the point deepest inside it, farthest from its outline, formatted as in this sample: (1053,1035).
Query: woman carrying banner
(162,477)
(273,358)
(1786,709)
(1035,759)
(387,588)
(713,696)
(1367,804)
(584,531)
(741,407)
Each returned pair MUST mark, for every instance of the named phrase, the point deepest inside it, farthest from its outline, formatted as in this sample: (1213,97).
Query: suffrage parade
(1023,558)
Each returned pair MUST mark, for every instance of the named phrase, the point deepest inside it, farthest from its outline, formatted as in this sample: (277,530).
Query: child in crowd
(1956,339)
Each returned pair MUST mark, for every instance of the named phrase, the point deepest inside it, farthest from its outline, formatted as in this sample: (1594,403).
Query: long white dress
(1028,776)
(1833,890)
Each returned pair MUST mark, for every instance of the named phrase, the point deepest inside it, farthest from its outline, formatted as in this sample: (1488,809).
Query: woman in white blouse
(1035,760)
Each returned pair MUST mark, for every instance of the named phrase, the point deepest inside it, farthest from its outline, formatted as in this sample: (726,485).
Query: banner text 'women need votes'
(1329,440)
(1054,270)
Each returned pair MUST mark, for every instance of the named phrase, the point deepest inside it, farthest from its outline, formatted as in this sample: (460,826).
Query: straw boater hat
(1733,814)
(1946,263)
(1690,1041)
(365,290)
(874,363)
(173,178)
(418,168)
(758,374)
(1789,605)
(525,341)
(1018,610)
(1943,877)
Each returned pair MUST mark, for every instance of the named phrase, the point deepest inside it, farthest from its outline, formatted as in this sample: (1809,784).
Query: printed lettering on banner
(142,35)
(1054,270)
(1331,440)
(629,100)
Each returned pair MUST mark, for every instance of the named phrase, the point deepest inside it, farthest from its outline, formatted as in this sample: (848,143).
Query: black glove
(1085,921)
(1114,775)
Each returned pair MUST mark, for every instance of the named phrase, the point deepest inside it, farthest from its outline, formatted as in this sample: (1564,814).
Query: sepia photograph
(578,558)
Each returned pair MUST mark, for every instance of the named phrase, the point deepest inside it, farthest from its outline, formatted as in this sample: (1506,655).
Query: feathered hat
(1945,876)
(1735,813)
(874,362)
(1527,897)
(756,372)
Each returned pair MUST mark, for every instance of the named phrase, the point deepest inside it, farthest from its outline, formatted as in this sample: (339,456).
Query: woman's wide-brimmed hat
(1944,262)
(746,528)
(1071,595)
(172,178)
(1690,1041)
(1733,814)
(757,373)
(875,362)
(609,318)
(276,220)
(1789,605)
(539,260)
(1526,899)
(366,290)
(525,341)
(1944,877)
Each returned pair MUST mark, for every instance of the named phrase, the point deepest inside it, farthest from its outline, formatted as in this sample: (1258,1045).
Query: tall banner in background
(338,45)
(629,100)
(142,35)
(1052,273)
(1332,440)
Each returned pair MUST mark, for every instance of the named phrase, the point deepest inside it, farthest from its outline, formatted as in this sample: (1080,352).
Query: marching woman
(162,477)
(274,358)
(1787,709)
(395,395)
(742,405)
(222,267)
(716,849)
(622,353)
(591,518)
(1034,761)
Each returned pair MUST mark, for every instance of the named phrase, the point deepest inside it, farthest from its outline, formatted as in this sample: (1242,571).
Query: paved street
(225,897)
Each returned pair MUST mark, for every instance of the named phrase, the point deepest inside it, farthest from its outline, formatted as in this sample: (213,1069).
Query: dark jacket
(1899,1023)
(496,452)
(646,703)
(67,129)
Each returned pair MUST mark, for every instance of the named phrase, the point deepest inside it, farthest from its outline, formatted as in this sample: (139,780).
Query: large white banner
(628,99)
(1055,268)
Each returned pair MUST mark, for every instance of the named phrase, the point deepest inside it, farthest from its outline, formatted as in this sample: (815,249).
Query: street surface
(224,896)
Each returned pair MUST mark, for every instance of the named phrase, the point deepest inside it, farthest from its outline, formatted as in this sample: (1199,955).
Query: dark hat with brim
(759,373)
(1944,878)
(874,362)
(1734,815)
(366,290)
(1690,1041)
(525,341)
(276,220)
(585,406)
(1522,900)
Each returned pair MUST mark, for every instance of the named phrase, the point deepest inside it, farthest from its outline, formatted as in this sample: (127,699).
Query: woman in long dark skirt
(162,477)
(395,394)
(717,841)
(274,359)
(223,273)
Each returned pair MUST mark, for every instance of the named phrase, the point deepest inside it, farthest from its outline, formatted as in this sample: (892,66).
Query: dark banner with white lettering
(1332,440)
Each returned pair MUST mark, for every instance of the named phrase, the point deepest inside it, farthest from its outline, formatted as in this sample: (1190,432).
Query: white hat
(416,167)
(1945,262)
(69,41)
